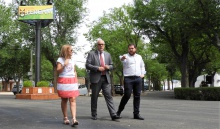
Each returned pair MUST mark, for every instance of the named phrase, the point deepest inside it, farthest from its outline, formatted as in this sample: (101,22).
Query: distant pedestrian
(100,64)
(67,85)
(203,84)
(133,70)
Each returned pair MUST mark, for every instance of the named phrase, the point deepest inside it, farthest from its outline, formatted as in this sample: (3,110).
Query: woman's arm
(60,67)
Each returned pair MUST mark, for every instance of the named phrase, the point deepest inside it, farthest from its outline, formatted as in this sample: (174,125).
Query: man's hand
(123,57)
(142,76)
(101,69)
(106,67)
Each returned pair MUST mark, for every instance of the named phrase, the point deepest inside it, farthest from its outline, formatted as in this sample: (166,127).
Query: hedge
(201,93)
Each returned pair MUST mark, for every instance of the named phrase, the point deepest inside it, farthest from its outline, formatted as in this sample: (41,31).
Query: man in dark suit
(100,63)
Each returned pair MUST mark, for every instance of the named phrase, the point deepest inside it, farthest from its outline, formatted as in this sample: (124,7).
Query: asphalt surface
(160,110)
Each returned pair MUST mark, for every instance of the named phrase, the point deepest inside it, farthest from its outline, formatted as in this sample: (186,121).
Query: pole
(31,63)
(37,52)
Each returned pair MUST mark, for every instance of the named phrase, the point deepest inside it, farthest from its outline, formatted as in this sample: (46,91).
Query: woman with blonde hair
(67,85)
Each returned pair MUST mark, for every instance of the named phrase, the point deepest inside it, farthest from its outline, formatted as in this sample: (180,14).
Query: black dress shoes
(137,116)
(119,115)
(115,117)
(94,117)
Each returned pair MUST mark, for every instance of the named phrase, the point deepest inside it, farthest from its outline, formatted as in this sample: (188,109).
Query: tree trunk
(213,80)
(55,75)
(172,83)
(184,72)
(168,83)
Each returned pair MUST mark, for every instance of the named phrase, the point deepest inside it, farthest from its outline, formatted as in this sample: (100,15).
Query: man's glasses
(101,44)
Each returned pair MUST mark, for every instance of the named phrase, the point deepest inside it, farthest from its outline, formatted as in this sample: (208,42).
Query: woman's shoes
(66,121)
(74,122)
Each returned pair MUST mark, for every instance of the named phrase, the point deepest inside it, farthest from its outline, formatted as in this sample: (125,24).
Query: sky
(96,8)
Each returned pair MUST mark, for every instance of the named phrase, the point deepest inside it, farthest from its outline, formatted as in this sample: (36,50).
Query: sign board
(36,12)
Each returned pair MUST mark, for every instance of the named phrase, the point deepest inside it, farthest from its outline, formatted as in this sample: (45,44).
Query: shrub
(43,84)
(27,84)
(201,93)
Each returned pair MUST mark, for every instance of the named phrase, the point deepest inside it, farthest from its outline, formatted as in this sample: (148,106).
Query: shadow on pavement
(158,95)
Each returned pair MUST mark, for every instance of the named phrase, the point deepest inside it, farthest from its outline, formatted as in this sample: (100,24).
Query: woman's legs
(73,107)
(64,106)
(64,110)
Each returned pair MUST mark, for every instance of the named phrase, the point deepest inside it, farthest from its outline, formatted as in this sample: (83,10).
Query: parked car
(119,89)
(146,86)
(83,89)
(14,89)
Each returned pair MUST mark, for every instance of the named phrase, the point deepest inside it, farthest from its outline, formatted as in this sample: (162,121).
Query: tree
(81,72)
(178,25)
(46,70)
(63,30)
(69,15)
(13,55)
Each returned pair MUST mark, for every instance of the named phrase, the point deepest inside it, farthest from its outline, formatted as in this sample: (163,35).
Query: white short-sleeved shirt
(68,69)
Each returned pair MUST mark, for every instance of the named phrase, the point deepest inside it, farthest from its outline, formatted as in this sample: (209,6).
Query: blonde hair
(64,52)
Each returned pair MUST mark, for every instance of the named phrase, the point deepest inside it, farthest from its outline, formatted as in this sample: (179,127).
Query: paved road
(160,110)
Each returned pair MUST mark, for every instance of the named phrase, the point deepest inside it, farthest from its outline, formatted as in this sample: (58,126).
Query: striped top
(67,84)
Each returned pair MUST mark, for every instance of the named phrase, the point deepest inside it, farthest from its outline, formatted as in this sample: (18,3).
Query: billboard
(36,12)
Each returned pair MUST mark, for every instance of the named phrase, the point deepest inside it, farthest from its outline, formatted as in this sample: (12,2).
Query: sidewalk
(6,93)
(159,108)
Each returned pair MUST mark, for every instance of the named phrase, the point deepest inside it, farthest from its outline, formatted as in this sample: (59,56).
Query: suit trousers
(131,83)
(106,91)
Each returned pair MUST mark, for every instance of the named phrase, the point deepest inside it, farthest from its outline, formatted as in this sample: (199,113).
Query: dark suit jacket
(93,64)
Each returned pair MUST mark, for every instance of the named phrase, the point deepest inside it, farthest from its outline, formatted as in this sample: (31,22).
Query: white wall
(202,78)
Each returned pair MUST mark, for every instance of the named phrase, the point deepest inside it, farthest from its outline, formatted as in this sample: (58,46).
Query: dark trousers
(131,83)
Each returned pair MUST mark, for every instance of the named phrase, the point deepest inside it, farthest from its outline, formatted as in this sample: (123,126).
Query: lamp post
(37,51)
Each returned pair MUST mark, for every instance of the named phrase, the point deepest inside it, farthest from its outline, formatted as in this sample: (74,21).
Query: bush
(43,84)
(201,93)
(27,84)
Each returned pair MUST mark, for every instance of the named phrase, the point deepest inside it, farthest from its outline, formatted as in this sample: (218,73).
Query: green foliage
(202,93)
(62,30)
(46,69)
(27,84)
(17,37)
(182,33)
(43,84)
(69,15)
(81,72)
(14,53)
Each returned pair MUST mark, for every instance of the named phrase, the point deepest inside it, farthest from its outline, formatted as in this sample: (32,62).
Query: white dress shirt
(133,65)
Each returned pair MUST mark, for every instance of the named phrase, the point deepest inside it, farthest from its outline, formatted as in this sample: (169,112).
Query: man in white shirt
(133,70)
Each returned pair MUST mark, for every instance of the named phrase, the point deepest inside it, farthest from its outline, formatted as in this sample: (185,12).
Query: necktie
(102,63)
